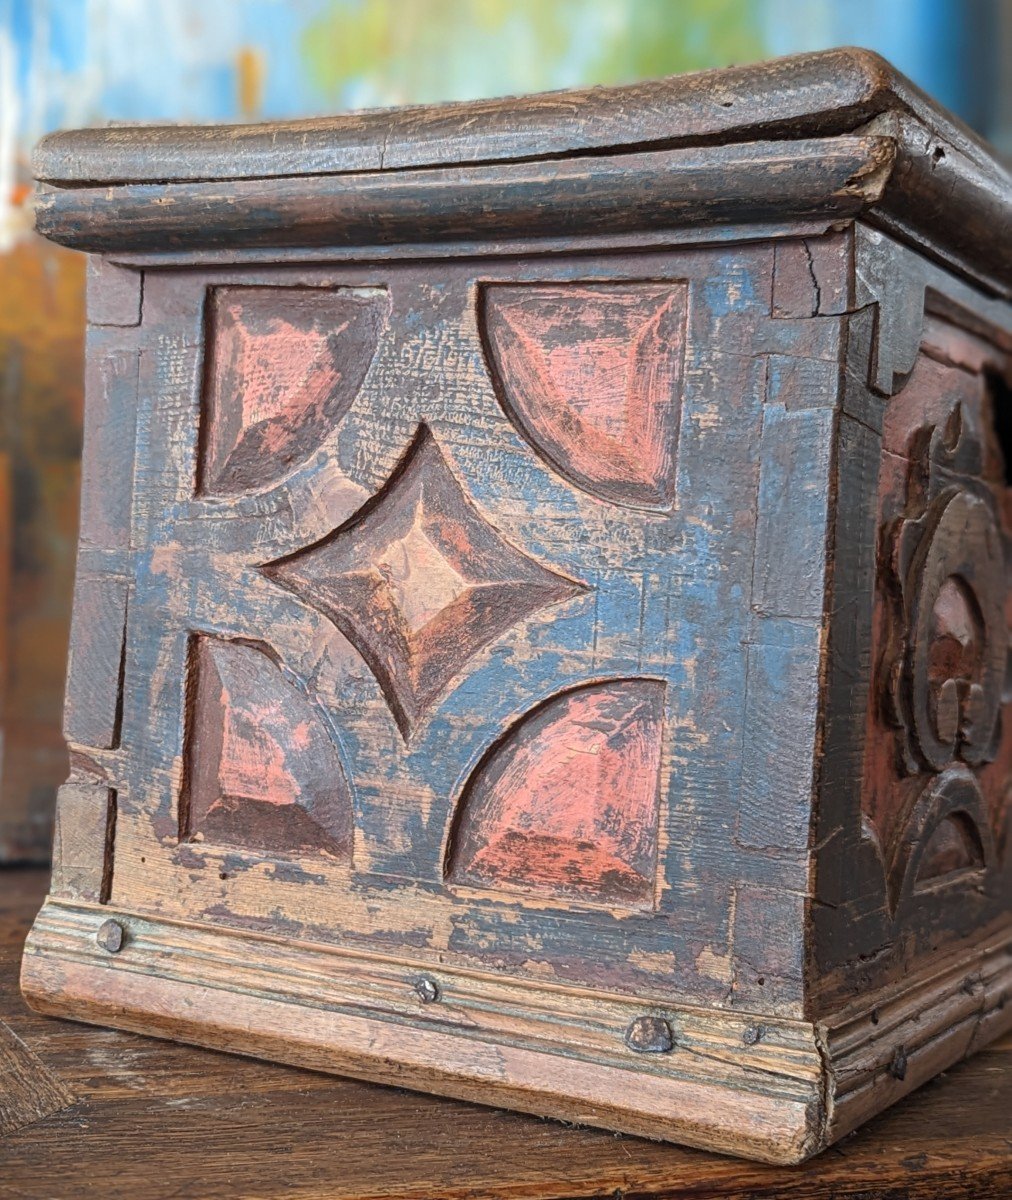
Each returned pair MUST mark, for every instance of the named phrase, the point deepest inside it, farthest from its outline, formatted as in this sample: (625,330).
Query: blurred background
(81,62)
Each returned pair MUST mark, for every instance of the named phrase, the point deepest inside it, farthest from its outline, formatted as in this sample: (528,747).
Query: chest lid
(833,134)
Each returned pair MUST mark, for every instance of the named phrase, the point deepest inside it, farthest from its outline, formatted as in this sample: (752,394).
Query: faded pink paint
(263,771)
(567,803)
(285,365)
(592,376)
(288,374)
(253,761)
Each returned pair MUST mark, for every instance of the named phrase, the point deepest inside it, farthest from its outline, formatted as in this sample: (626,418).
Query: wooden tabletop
(155,1120)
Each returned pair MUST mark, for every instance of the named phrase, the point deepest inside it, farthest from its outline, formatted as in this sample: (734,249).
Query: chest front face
(440,597)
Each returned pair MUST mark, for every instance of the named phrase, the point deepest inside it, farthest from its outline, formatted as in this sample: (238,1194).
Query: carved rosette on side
(948,561)
(947,657)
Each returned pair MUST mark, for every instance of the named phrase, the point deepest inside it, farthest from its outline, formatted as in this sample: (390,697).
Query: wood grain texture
(806,95)
(440,579)
(565,674)
(29,1090)
(935,177)
(143,1105)
(83,840)
(104,193)
(641,615)
(777,1091)
(835,177)
(419,581)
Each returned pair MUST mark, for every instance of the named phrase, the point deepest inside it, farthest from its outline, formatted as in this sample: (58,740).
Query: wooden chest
(541,628)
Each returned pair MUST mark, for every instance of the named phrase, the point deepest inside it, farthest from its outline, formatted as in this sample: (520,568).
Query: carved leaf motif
(950,663)
(936,741)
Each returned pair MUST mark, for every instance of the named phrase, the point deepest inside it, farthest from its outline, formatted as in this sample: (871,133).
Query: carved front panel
(474,615)
(939,732)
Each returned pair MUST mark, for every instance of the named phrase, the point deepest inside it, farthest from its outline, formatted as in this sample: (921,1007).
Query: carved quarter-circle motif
(284,366)
(566,803)
(591,376)
(263,771)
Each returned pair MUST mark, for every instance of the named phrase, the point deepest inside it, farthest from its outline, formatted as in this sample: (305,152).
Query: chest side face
(445,586)
(938,739)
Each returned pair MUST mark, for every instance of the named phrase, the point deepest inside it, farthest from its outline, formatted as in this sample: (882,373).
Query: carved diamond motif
(419,582)
(422,582)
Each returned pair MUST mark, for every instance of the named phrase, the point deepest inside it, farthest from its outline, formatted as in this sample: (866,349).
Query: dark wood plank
(806,95)
(936,166)
(614,193)
(156,1120)
(29,1091)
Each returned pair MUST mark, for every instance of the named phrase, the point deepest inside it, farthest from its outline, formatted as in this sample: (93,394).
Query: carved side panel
(942,635)
(566,803)
(434,661)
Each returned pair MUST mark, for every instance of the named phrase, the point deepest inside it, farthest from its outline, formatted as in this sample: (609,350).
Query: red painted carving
(946,835)
(948,686)
(590,374)
(940,623)
(419,581)
(285,365)
(262,769)
(566,803)
(953,846)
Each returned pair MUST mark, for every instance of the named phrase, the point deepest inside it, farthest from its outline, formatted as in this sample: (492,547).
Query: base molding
(892,1041)
(744,1084)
